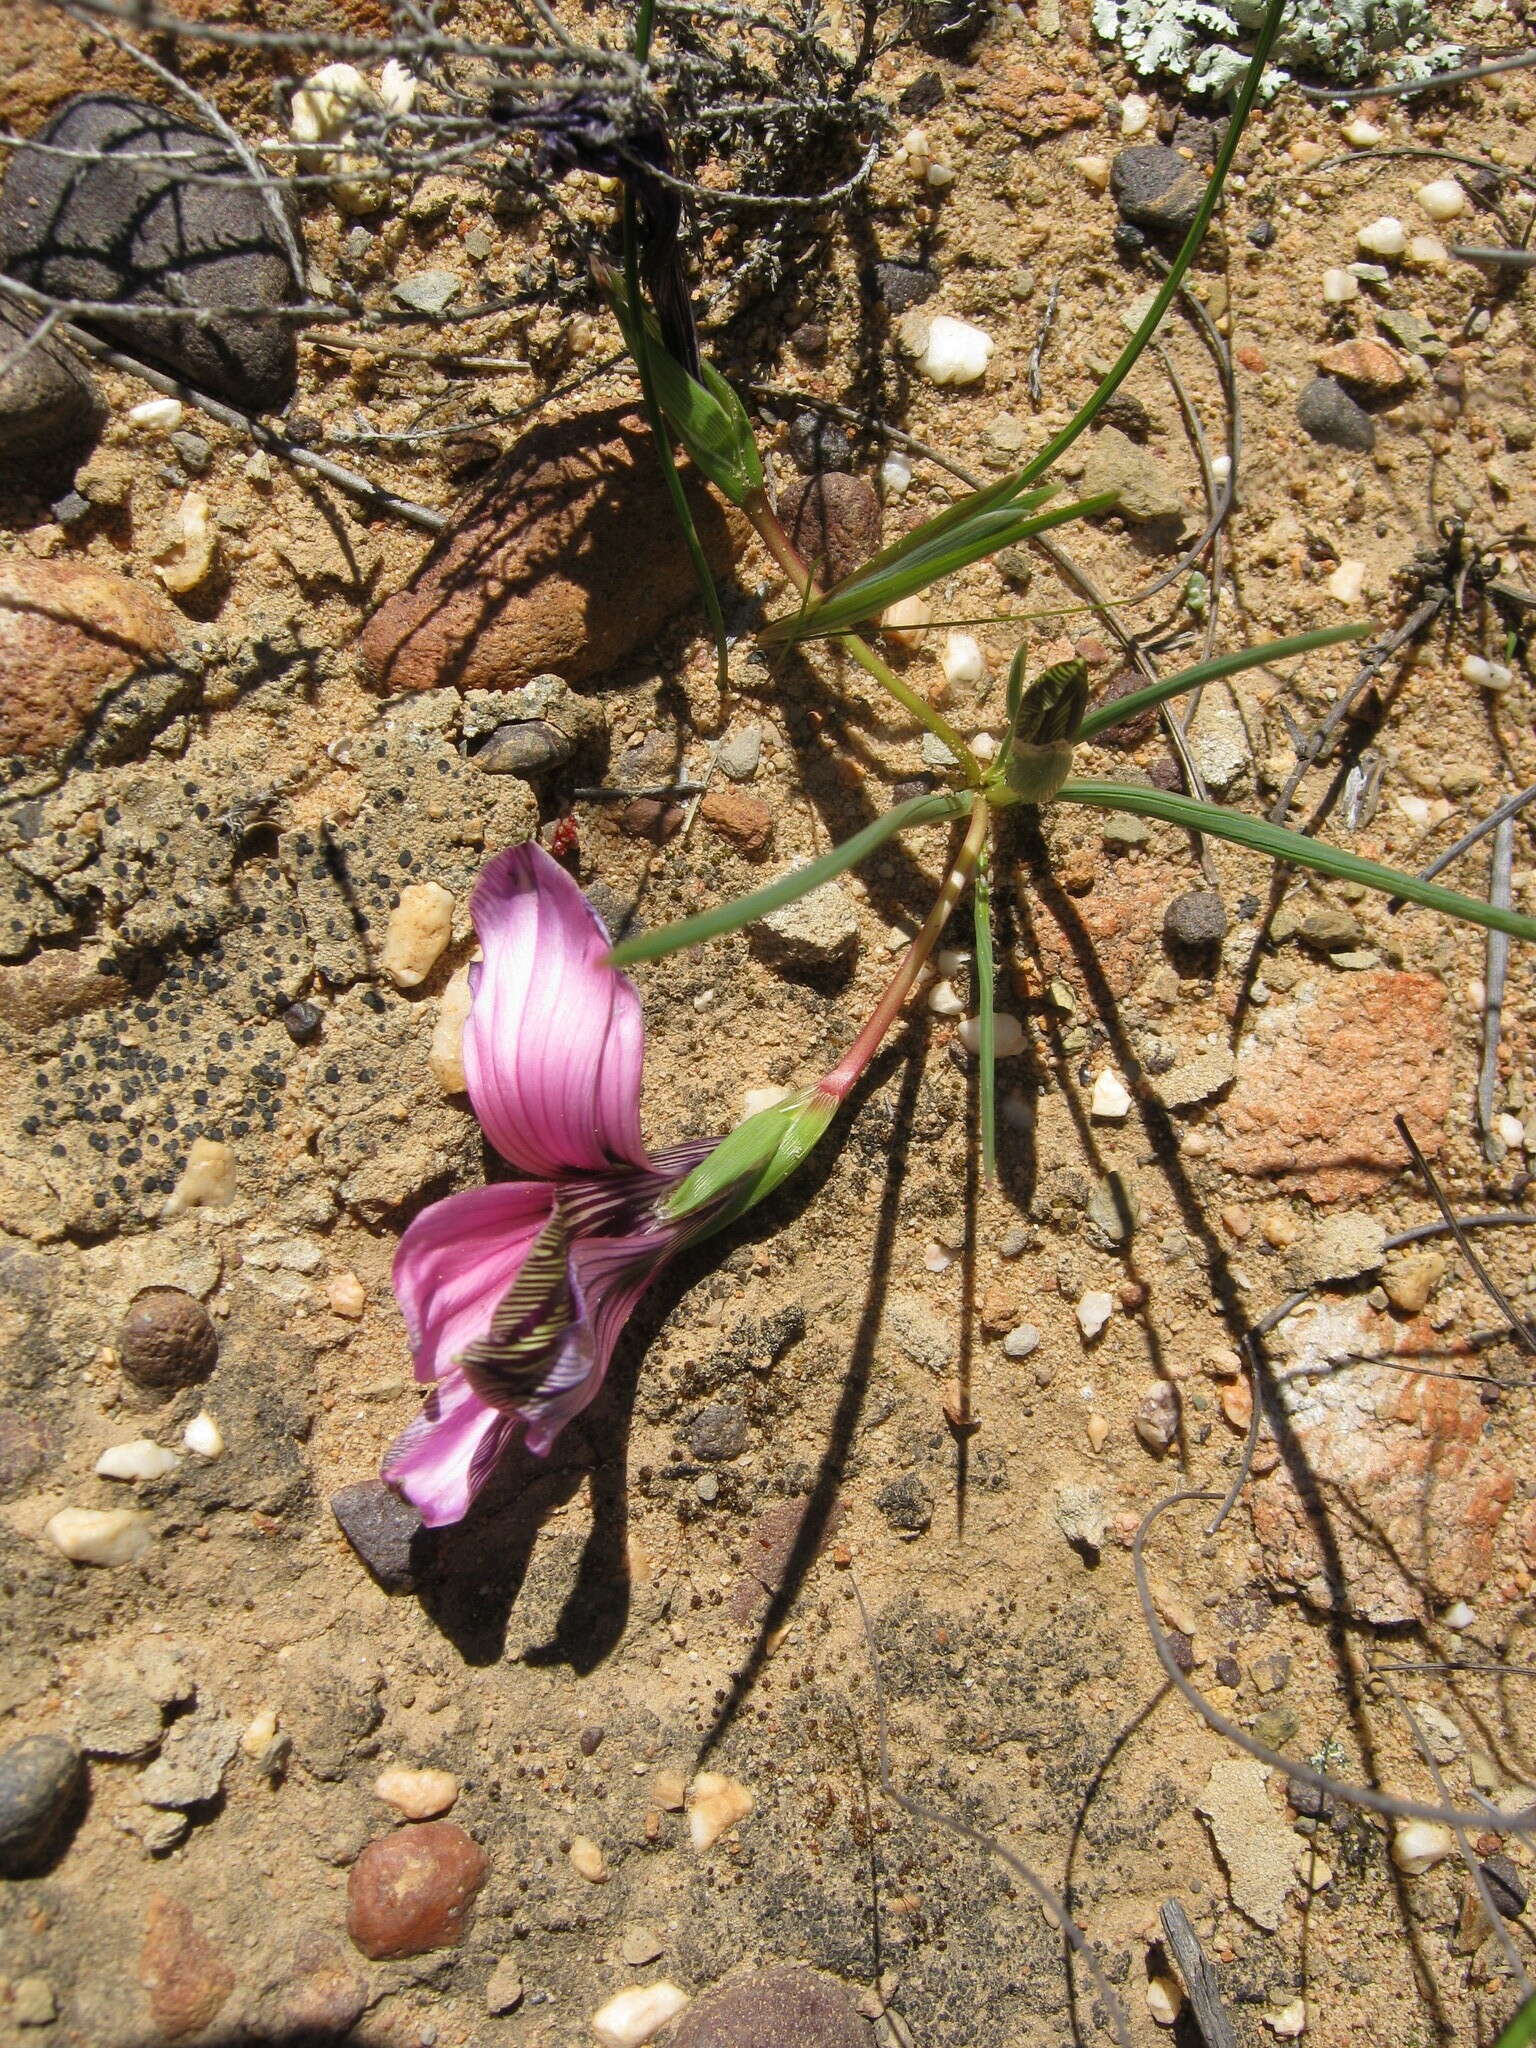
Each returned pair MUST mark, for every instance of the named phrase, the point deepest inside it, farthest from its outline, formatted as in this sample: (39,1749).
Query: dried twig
(1199,1977)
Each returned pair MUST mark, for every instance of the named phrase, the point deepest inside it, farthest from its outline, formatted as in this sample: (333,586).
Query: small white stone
(445,1055)
(1094,170)
(1459,1615)
(1221,468)
(952,960)
(1289,2021)
(203,1436)
(755,1100)
(1442,199)
(1418,1845)
(99,1535)
(397,87)
(586,1859)
(1008,1035)
(194,547)
(937,1258)
(949,351)
(895,476)
(1511,1130)
(326,103)
(1384,237)
(1093,1312)
(1348,580)
(1475,670)
(140,1459)
(207,1180)
(983,746)
(715,1803)
(1111,1099)
(257,1735)
(1360,133)
(939,177)
(638,2014)
(346,1296)
(1019,1343)
(1339,287)
(1165,2000)
(1135,113)
(1426,252)
(420,926)
(962,660)
(945,1000)
(157,415)
(903,621)
(419,1795)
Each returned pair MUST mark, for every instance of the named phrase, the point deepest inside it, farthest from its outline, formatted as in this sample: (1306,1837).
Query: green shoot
(1108,715)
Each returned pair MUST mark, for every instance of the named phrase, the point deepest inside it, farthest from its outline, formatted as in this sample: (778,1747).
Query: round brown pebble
(414,1890)
(785,2003)
(167,1340)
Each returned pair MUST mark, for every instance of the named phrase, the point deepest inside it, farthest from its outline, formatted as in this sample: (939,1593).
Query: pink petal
(554,1046)
(457,1260)
(446,1455)
(610,1274)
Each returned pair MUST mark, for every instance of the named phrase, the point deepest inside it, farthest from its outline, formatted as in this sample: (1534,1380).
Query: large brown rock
(69,633)
(787,2005)
(187,1979)
(566,560)
(414,1890)
(834,521)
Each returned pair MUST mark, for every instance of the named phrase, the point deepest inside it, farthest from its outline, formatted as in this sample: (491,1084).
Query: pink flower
(514,1294)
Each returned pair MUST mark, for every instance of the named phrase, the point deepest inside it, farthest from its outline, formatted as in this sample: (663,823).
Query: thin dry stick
(1495,977)
(1199,1977)
(1491,1286)
(1508,809)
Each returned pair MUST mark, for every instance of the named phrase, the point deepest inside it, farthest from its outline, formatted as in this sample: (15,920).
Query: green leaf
(1521,2031)
(730,917)
(868,592)
(1276,843)
(1106,715)
(707,417)
(986,1019)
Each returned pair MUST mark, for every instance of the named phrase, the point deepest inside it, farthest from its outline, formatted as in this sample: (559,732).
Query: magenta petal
(446,1455)
(609,1275)
(457,1260)
(554,1045)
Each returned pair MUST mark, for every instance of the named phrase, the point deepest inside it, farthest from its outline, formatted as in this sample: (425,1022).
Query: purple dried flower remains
(514,1294)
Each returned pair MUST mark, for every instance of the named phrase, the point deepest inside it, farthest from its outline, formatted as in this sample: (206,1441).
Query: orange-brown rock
(186,1977)
(1037,103)
(1320,1078)
(69,633)
(414,1890)
(1369,366)
(566,559)
(746,821)
(834,521)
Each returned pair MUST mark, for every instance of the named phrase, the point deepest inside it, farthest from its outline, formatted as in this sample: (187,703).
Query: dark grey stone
(530,748)
(906,1504)
(40,1782)
(194,450)
(817,443)
(110,226)
(1505,1884)
(1156,188)
(1196,921)
(1328,413)
(382,1529)
(786,2005)
(50,411)
(718,1432)
(904,285)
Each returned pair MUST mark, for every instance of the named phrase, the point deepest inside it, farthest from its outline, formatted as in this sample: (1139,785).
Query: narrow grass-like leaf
(1521,2031)
(707,416)
(998,498)
(1276,843)
(730,917)
(986,991)
(868,593)
(1212,671)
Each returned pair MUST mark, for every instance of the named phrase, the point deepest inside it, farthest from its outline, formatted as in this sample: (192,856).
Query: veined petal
(608,1277)
(554,1045)
(458,1260)
(440,1462)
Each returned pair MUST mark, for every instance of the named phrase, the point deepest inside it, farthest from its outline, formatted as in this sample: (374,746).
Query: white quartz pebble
(156,415)
(1094,1311)
(1427,252)
(1008,1034)
(1339,287)
(1360,133)
(1384,237)
(1348,580)
(140,1459)
(1020,1342)
(963,661)
(1111,1098)
(203,1436)
(419,1795)
(1459,1615)
(1511,1130)
(1164,2000)
(945,1000)
(1135,113)
(99,1535)
(1442,198)
(715,1803)
(896,475)
(946,350)
(1418,1845)
(638,2014)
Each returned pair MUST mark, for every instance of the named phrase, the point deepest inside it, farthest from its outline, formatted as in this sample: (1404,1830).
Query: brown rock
(52,986)
(566,559)
(1319,1082)
(1394,1498)
(834,521)
(414,1890)
(69,632)
(186,1977)
(787,2004)
(326,1996)
(167,1340)
(746,821)
(650,817)
(1037,103)
(1369,367)
(772,1548)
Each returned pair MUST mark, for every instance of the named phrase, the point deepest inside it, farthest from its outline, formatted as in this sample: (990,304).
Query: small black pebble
(589,1740)
(1227,1672)
(302,1021)
(1128,240)
(1505,1885)
(71,508)
(1182,1650)
(1310,1801)
(1262,234)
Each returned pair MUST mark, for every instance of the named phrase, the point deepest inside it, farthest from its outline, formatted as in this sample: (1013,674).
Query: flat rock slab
(1257,1848)
(787,2005)
(567,559)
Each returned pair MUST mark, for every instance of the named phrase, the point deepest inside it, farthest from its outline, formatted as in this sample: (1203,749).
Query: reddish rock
(70,632)
(746,821)
(414,1890)
(650,817)
(565,560)
(771,1546)
(834,521)
(1398,1492)
(327,1996)
(186,1977)
(1319,1080)
(1370,366)
(1038,103)
(788,2004)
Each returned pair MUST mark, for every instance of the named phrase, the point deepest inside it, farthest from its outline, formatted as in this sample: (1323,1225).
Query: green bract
(755,1157)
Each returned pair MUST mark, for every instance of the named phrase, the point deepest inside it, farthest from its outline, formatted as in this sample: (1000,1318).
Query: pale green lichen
(1199,42)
